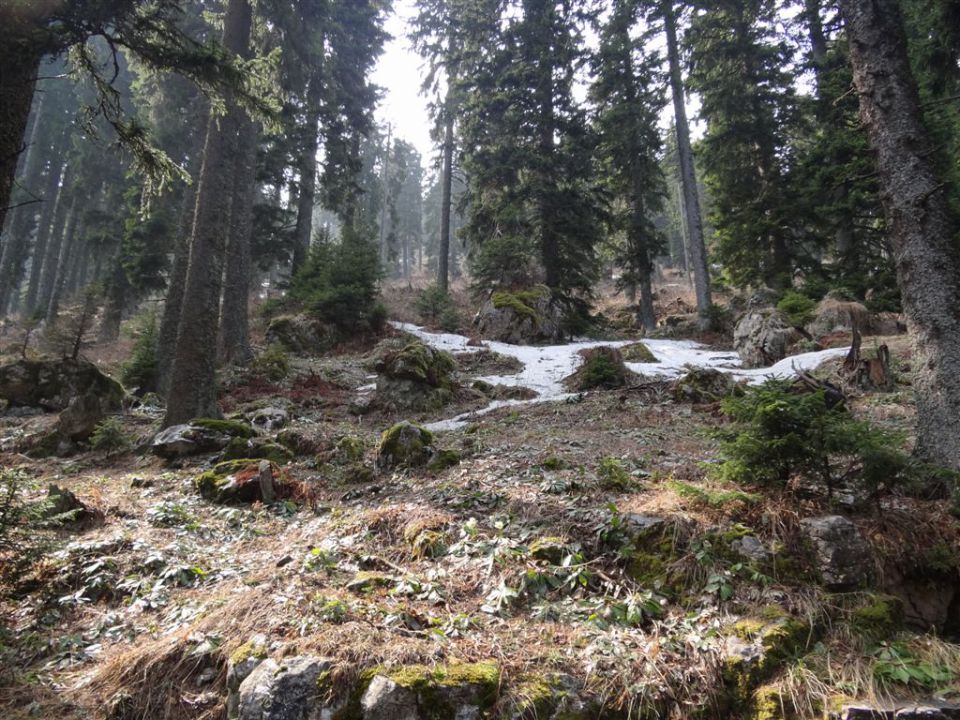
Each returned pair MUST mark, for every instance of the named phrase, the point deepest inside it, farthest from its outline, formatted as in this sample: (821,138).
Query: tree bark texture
(688,177)
(308,175)
(446,198)
(921,230)
(193,391)
(20,63)
(22,219)
(234,345)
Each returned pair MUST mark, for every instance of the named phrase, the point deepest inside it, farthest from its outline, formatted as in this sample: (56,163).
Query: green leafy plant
(894,663)
(140,371)
(778,433)
(612,475)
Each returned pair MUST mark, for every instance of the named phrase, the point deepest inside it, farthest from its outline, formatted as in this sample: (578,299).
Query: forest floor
(514,555)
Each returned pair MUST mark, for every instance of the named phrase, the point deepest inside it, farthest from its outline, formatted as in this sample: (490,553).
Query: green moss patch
(233,428)
(602,368)
(638,353)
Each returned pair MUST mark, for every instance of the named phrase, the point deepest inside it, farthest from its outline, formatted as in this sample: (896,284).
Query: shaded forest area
(646,372)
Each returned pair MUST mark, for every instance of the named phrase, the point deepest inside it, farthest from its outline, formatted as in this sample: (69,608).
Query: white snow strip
(545,366)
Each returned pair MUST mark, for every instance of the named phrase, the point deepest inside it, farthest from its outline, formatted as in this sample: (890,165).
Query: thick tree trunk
(173,303)
(446,198)
(192,390)
(922,232)
(648,319)
(22,218)
(308,175)
(234,346)
(114,304)
(688,178)
(20,64)
(51,198)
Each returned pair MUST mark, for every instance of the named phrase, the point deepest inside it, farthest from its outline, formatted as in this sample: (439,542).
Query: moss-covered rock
(350,449)
(443,690)
(638,353)
(603,368)
(549,549)
(415,377)
(233,428)
(302,334)
(703,385)
(239,448)
(521,316)
(237,481)
(879,616)
(358,472)
(405,445)
(444,459)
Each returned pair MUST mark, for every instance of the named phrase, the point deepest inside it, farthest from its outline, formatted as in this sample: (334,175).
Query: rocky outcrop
(762,337)
(282,690)
(200,436)
(843,558)
(521,317)
(269,419)
(405,445)
(414,378)
(302,334)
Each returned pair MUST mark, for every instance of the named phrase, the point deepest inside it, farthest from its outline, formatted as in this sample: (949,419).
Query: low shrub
(435,306)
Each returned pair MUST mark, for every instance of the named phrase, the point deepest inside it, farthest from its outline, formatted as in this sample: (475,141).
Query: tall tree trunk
(385,183)
(22,218)
(688,176)
(20,63)
(192,390)
(65,264)
(51,197)
(308,175)
(117,292)
(66,207)
(173,303)
(921,230)
(446,197)
(234,344)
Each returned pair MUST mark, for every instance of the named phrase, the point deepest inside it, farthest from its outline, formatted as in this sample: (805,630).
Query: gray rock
(637,524)
(843,557)
(405,445)
(285,690)
(53,384)
(762,337)
(239,668)
(927,711)
(183,440)
(415,377)
(302,334)
(269,419)
(521,318)
(385,700)
(750,548)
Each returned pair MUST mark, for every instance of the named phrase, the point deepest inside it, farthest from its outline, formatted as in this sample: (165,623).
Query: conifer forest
(480,359)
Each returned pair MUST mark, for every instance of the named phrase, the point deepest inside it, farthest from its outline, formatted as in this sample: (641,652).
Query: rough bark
(308,175)
(22,218)
(446,198)
(20,63)
(192,391)
(173,303)
(921,230)
(688,178)
(234,345)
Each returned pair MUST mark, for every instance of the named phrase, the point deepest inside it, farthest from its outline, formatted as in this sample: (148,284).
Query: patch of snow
(545,366)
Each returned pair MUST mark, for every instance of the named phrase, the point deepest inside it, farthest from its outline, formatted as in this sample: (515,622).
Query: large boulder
(199,436)
(762,337)
(302,334)
(521,317)
(703,385)
(76,388)
(834,314)
(451,692)
(405,445)
(243,481)
(843,558)
(415,377)
(284,690)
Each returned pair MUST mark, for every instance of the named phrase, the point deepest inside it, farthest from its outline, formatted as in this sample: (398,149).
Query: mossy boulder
(602,368)
(302,334)
(638,353)
(444,459)
(179,441)
(52,385)
(521,317)
(239,448)
(238,481)
(703,385)
(349,449)
(757,646)
(405,445)
(233,428)
(415,377)
(763,336)
(443,692)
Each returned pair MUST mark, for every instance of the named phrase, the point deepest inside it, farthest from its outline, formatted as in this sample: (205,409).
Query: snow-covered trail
(545,366)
